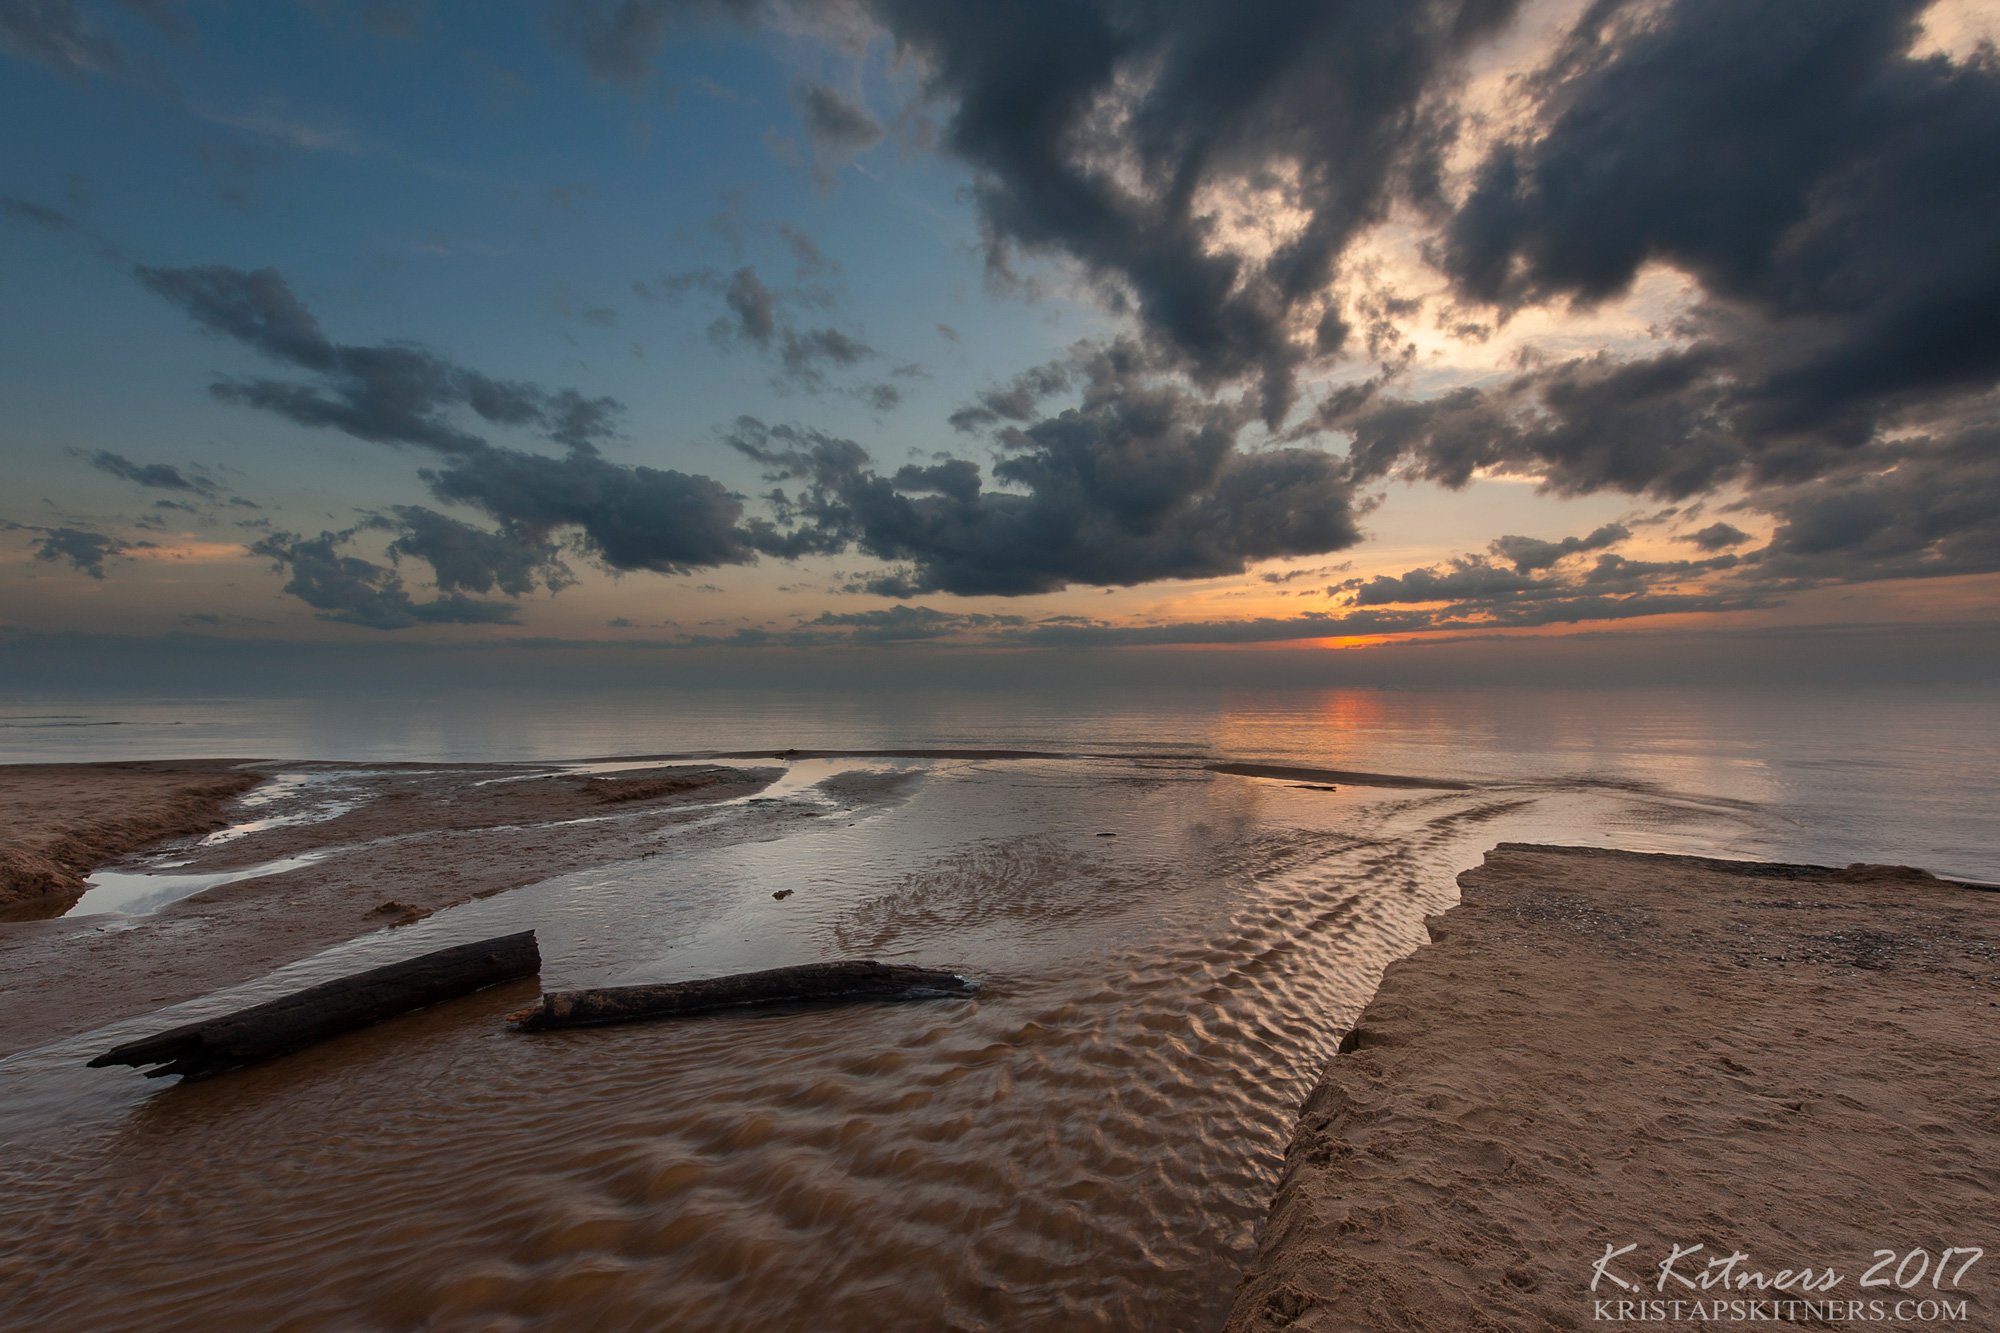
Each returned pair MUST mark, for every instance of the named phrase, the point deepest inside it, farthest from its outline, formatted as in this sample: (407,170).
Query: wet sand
(403,841)
(1091,1142)
(1294,773)
(57,821)
(1608,1048)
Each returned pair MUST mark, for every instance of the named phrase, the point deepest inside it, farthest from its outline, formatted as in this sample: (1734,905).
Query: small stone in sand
(403,913)
(783,894)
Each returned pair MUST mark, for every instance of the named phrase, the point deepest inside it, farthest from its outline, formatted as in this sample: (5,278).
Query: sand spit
(960,752)
(1604,1048)
(59,821)
(1335,776)
(387,845)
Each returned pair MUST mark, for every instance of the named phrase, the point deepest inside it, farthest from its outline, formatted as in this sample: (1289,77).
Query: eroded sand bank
(359,849)
(57,821)
(1608,1048)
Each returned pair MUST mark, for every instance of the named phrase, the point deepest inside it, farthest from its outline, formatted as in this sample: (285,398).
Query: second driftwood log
(293,1021)
(812,983)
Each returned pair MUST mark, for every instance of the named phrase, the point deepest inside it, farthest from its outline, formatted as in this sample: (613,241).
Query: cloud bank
(1218,176)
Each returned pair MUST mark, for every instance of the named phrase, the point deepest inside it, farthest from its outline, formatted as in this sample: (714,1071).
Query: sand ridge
(61,820)
(405,841)
(1609,1048)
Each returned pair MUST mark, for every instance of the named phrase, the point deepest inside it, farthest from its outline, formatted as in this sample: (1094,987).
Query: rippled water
(1091,1142)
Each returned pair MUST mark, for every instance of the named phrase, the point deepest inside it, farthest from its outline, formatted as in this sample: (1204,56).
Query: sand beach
(1663,1052)
(1141,1120)
(360,849)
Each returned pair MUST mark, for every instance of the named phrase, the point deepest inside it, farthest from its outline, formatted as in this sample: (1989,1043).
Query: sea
(1896,774)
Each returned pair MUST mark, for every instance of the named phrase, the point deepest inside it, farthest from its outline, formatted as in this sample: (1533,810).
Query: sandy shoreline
(1596,1047)
(1613,1048)
(62,820)
(404,841)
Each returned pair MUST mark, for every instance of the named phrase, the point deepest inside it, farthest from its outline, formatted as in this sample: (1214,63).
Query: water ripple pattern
(1089,1143)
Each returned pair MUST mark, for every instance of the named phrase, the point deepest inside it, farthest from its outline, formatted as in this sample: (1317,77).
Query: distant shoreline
(1603,1047)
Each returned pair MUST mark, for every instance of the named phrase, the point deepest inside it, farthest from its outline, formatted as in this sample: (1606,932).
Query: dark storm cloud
(573,420)
(752,308)
(81,549)
(1832,195)
(1718,537)
(1122,136)
(1593,423)
(629,517)
(753,636)
(1618,574)
(1282,576)
(908,624)
(1571,607)
(1465,581)
(804,352)
(1469,594)
(159,476)
(1094,128)
(1795,160)
(1531,585)
(1929,517)
(1142,481)
(1529,553)
(1829,195)
(1937,513)
(387,393)
(752,315)
(354,591)
(465,558)
(1263,629)
(1016,400)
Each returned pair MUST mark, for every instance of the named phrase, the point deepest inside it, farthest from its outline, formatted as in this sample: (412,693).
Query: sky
(754,327)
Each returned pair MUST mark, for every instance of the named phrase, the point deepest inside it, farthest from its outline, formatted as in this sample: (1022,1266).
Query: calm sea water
(1881,774)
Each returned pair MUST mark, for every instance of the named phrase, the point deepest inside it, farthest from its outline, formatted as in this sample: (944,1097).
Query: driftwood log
(274,1028)
(813,983)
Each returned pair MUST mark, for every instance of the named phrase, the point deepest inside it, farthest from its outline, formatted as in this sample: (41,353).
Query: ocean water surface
(1897,774)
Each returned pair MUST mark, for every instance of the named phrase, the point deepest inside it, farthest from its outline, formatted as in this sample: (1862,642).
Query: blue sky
(1407,441)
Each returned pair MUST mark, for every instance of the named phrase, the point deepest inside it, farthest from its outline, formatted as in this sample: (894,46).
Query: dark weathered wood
(294,1021)
(812,983)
